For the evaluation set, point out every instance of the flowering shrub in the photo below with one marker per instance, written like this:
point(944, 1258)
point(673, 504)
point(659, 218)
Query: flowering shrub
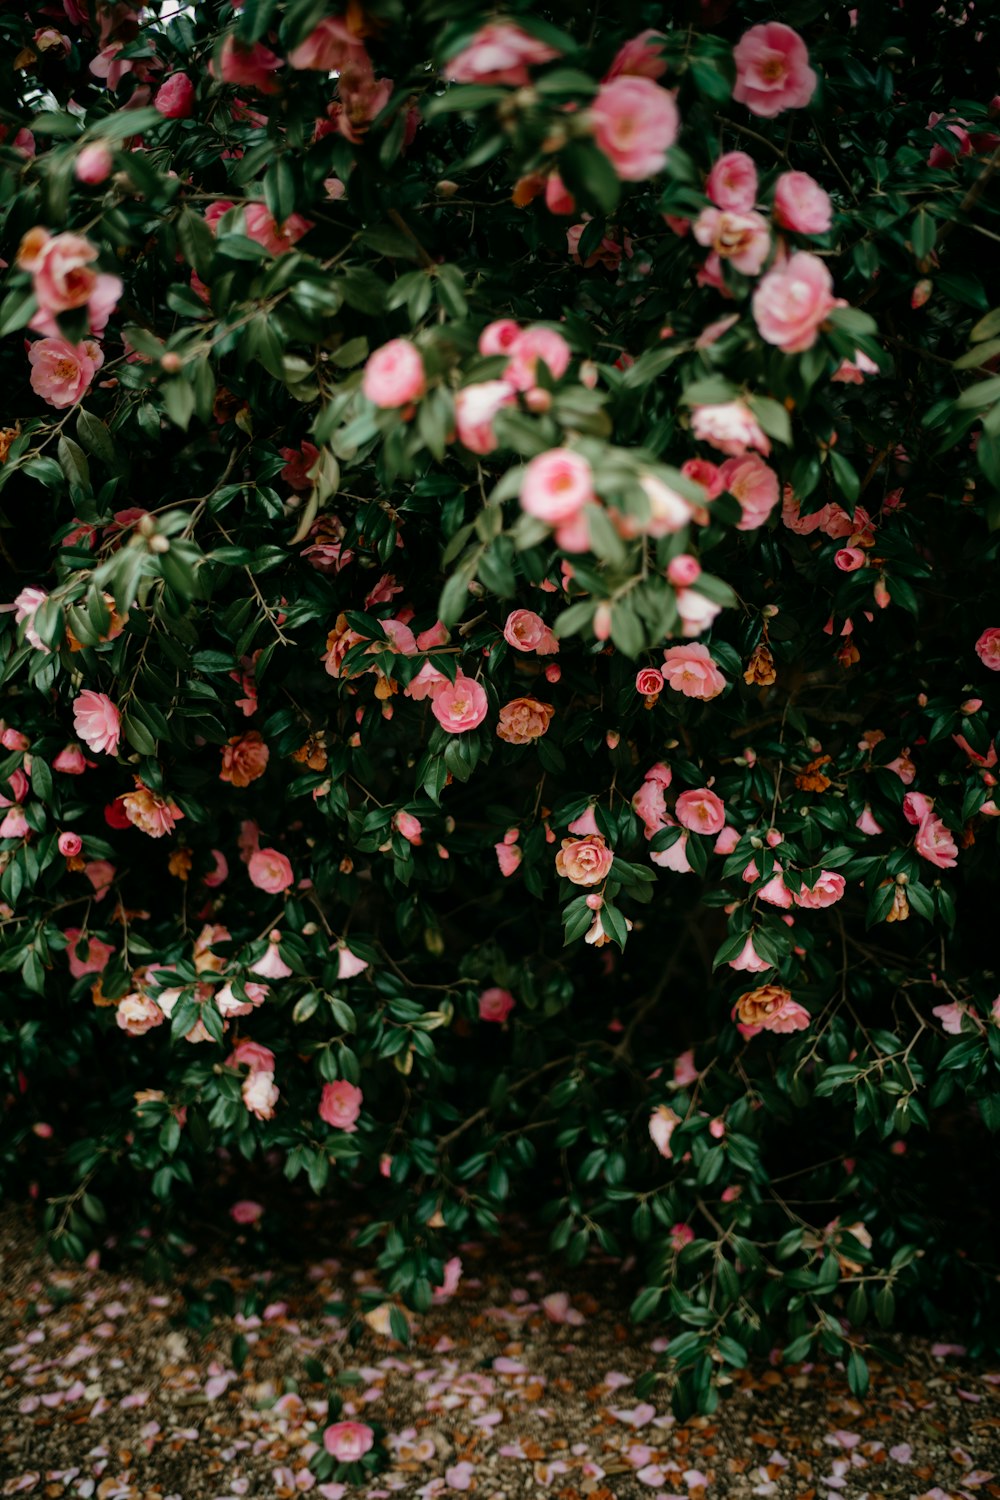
point(501, 638)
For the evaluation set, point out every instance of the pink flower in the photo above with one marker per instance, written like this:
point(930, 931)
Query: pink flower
point(71, 761)
point(669, 512)
point(555, 489)
point(801, 204)
point(917, 807)
point(61, 372)
point(427, 683)
point(662, 1124)
point(526, 631)
point(96, 958)
point(452, 1277)
point(772, 70)
point(939, 155)
point(793, 300)
point(476, 407)
point(495, 1004)
point(950, 1017)
point(528, 347)
point(775, 891)
point(270, 871)
point(499, 337)
point(271, 965)
point(635, 123)
point(175, 97)
point(696, 611)
point(640, 57)
point(219, 873)
point(499, 53)
point(853, 371)
point(410, 827)
point(701, 811)
point(849, 559)
point(70, 844)
point(988, 648)
point(558, 199)
point(680, 1235)
point(25, 607)
point(260, 1094)
point(247, 66)
point(229, 1003)
point(137, 1013)
point(683, 570)
point(607, 254)
point(348, 1441)
point(866, 821)
point(15, 824)
point(743, 239)
point(690, 670)
point(264, 229)
point(252, 1055)
point(394, 375)
point(523, 720)
point(340, 1105)
point(729, 426)
point(826, 890)
point(61, 265)
point(584, 861)
point(460, 705)
point(935, 843)
point(732, 183)
point(97, 721)
point(327, 49)
point(509, 857)
point(149, 811)
point(755, 485)
point(94, 163)
point(349, 965)
point(649, 682)
point(245, 1211)
point(748, 959)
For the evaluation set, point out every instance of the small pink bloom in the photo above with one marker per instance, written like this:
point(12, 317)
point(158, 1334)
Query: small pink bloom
point(556, 487)
point(776, 891)
point(476, 407)
point(495, 1004)
point(97, 721)
point(175, 97)
point(635, 123)
point(793, 300)
point(409, 826)
point(271, 965)
point(742, 239)
point(348, 1441)
point(70, 844)
point(61, 372)
point(584, 861)
point(669, 512)
point(749, 959)
point(649, 682)
point(499, 53)
point(509, 857)
point(249, 66)
point(15, 824)
point(729, 426)
point(558, 200)
point(727, 840)
point(935, 844)
point(219, 873)
point(100, 873)
point(452, 1277)
point(772, 70)
point(96, 958)
point(917, 807)
point(849, 559)
point(270, 871)
point(680, 1235)
point(252, 1055)
point(71, 761)
point(853, 372)
point(685, 1071)
point(526, 631)
point(263, 228)
point(755, 485)
point(640, 57)
point(137, 1014)
point(94, 163)
point(800, 204)
point(662, 1124)
point(245, 1211)
point(327, 49)
point(340, 1105)
point(950, 1017)
point(499, 337)
point(732, 183)
point(394, 375)
point(701, 811)
point(426, 684)
point(988, 648)
point(827, 889)
point(460, 705)
point(866, 821)
point(349, 965)
point(683, 570)
point(529, 347)
point(260, 1094)
point(691, 670)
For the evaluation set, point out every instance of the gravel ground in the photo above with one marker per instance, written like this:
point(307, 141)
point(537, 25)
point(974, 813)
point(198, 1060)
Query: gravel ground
point(520, 1384)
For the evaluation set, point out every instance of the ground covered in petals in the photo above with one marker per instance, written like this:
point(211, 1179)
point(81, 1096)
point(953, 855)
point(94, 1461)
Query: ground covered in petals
point(522, 1383)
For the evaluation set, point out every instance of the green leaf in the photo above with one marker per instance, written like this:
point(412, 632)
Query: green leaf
point(857, 1374)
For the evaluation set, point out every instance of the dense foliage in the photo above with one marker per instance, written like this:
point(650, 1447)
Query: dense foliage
point(500, 663)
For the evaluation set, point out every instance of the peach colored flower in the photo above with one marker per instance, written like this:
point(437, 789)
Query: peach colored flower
point(526, 631)
point(495, 1004)
point(97, 721)
point(690, 670)
point(662, 1124)
point(729, 426)
point(61, 267)
point(244, 758)
point(149, 811)
point(340, 1105)
point(96, 959)
point(499, 53)
point(523, 720)
point(252, 1055)
point(61, 372)
point(701, 811)
point(755, 485)
point(827, 889)
point(270, 871)
point(247, 65)
point(460, 705)
point(640, 57)
point(260, 1094)
point(772, 70)
point(793, 300)
point(988, 648)
point(476, 407)
point(635, 123)
point(732, 183)
point(509, 856)
point(584, 861)
point(348, 1441)
point(528, 347)
point(328, 47)
point(394, 375)
point(935, 843)
point(771, 1008)
point(800, 204)
point(743, 239)
point(137, 1014)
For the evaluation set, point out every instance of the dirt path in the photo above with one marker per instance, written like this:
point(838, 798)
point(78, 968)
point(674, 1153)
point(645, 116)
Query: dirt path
point(520, 1384)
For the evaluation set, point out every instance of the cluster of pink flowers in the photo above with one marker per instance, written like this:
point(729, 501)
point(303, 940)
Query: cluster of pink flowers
point(64, 280)
point(477, 406)
point(933, 841)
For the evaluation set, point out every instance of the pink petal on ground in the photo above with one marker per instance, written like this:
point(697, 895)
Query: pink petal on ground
point(902, 1453)
point(638, 1416)
point(941, 1351)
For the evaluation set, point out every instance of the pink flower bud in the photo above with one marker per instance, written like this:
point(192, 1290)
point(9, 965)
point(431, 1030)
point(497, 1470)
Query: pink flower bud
point(94, 163)
point(882, 596)
point(602, 621)
point(921, 293)
point(612, 739)
point(594, 901)
point(70, 844)
point(553, 672)
point(683, 570)
point(538, 399)
point(849, 559)
point(972, 705)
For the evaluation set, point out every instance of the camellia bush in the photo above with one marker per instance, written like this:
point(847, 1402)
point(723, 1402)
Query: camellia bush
point(501, 641)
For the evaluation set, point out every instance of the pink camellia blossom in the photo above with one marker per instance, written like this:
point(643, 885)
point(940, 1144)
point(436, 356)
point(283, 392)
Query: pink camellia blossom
point(691, 670)
point(526, 631)
point(61, 372)
point(348, 1441)
point(935, 844)
point(635, 123)
point(460, 705)
point(495, 1004)
point(793, 300)
point(246, 1211)
point(15, 824)
point(649, 682)
point(849, 559)
point(62, 268)
point(640, 57)
point(727, 840)
point(349, 965)
point(340, 1105)
point(70, 844)
point(252, 1055)
point(685, 1071)
point(271, 965)
point(662, 1124)
point(394, 375)
point(700, 811)
point(584, 861)
point(827, 889)
point(499, 337)
point(427, 683)
point(499, 53)
point(732, 183)
point(770, 1008)
point(679, 1236)
point(260, 1094)
point(800, 204)
point(97, 722)
point(755, 485)
point(729, 426)
point(669, 512)
point(476, 407)
point(772, 70)
point(449, 1285)
point(509, 857)
point(264, 229)
point(748, 959)
point(328, 48)
point(683, 570)
point(940, 156)
point(249, 66)
point(558, 199)
point(270, 871)
point(776, 892)
point(524, 720)
point(558, 1309)
point(149, 812)
point(71, 761)
point(951, 1016)
point(533, 345)
point(866, 821)
point(229, 1003)
point(409, 826)
point(94, 163)
point(555, 489)
point(137, 1013)
point(96, 958)
point(742, 239)
point(988, 648)
point(917, 807)
point(26, 606)
point(853, 371)
point(175, 97)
